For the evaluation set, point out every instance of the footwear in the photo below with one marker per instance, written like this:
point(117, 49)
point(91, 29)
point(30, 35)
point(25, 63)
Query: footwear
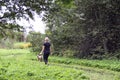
point(45, 62)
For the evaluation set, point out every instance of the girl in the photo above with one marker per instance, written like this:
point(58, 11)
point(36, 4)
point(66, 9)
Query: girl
point(46, 50)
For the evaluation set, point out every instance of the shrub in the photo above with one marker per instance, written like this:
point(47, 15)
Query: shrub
point(22, 45)
point(7, 43)
point(68, 53)
point(36, 40)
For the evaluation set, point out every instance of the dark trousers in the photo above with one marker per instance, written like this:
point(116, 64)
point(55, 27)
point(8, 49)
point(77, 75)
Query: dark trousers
point(45, 57)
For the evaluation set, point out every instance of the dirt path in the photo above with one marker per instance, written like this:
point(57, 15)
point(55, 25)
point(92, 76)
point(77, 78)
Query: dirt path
point(92, 73)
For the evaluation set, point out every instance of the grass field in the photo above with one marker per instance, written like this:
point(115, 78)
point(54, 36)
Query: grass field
point(20, 64)
point(113, 65)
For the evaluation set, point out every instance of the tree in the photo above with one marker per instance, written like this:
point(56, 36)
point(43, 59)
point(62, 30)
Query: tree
point(8, 30)
point(101, 26)
point(59, 21)
point(17, 9)
point(36, 39)
point(92, 26)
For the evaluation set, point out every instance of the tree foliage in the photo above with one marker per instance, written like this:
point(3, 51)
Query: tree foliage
point(10, 10)
point(36, 39)
point(90, 27)
point(10, 30)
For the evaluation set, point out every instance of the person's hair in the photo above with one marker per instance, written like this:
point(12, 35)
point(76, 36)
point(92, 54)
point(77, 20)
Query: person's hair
point(46, 39)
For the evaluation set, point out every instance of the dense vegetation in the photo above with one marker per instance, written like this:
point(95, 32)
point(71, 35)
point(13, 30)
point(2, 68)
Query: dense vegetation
point(86, 28)
point(77, 28)
point(11, 37)
point(36, 39)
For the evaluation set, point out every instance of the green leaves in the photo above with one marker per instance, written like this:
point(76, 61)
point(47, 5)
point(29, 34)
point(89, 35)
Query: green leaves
point(36, 39)
point(89, 28)
point(66, 3)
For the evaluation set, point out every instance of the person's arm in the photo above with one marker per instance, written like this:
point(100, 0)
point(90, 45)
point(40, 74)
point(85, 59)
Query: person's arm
point(42, 49)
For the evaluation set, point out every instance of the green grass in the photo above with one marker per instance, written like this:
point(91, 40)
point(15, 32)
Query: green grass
point(94, 69)
point(113, 65)
point(20, 64)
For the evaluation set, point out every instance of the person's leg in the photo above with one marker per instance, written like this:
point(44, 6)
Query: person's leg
point(45, 56)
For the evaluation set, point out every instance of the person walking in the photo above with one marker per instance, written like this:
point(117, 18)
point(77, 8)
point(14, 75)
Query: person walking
point(46, 50)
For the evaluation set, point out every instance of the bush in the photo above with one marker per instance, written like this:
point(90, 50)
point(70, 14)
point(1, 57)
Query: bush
point(36, 40)
point(22, 45)
point(68, 53)
point(7, 43)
